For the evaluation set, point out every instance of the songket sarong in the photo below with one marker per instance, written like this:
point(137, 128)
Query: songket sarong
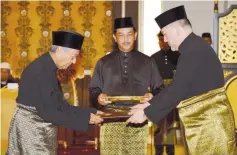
point(208, 124)
point(118, 138)
point(31, 135)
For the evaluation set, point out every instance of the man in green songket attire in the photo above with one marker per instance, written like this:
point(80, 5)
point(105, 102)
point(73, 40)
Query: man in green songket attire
point(197, 91)
point(124, 72)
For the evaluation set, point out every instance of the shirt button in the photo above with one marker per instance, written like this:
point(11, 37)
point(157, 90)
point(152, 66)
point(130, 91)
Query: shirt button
point(66, 95)
point(125, 66)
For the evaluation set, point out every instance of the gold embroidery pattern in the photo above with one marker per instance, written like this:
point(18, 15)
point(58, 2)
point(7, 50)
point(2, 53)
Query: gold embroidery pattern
point(24, 32)
point(45, 10)
point(87, 11)
point(6, 11)
point(106, 31)
point(118, 138)
point(67, 21)
point(27, 26)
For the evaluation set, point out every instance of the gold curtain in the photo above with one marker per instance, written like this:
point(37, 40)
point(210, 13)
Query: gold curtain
point(27, 26)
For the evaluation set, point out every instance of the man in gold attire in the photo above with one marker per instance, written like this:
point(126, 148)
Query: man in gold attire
point(197, 91)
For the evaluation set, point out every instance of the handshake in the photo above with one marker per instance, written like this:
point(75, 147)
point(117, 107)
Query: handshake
point(96, 118)
point(136, 112)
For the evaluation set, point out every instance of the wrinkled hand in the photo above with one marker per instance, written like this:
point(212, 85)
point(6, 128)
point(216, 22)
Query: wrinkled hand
point(99, 112)
point(137, 107)
point(137, 117)
point(102, 99)
point(96, 119)
point(147, 97)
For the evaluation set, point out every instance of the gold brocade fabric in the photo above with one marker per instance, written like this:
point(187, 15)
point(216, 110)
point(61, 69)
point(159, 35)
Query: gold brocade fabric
point(120, 139)
point(208, 124)
point(31, 135)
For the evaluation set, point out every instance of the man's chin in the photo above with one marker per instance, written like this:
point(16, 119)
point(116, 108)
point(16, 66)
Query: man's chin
point(173, 49)
point(127, 49)
point(63, 67)
point(66, 67)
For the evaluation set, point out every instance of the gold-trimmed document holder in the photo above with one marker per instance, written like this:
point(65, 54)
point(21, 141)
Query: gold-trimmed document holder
point(124, 98)
point(115, 113)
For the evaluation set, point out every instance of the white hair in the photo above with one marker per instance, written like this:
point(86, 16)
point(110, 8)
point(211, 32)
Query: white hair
point(184, 23)
point(53, 48)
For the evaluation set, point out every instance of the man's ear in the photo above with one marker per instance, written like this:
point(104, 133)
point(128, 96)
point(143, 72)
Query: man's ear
point(135, 35)
point(58, 48)
point(114, 38)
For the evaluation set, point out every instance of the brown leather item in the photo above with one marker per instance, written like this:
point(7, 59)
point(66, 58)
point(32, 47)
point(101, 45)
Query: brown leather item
point(124, 98)
point(115, 113)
